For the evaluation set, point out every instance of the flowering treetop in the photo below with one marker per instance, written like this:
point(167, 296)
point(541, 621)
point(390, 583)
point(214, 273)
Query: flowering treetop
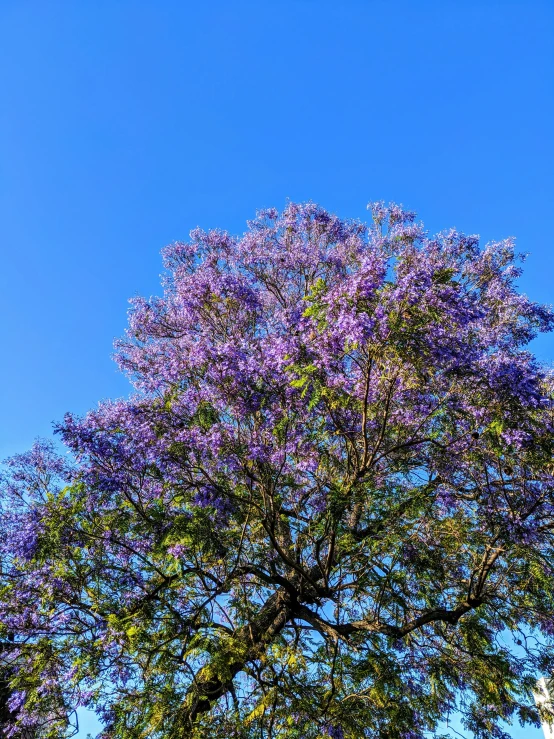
point(326, 511)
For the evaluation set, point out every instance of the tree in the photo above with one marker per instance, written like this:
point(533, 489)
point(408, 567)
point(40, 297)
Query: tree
point(327, 510)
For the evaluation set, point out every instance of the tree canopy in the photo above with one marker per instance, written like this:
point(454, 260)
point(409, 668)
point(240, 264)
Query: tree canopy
point(326, 510)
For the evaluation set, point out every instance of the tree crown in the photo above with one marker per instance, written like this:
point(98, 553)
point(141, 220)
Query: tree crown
point(326, 511)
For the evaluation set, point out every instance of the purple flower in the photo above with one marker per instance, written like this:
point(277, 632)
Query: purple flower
point(334, 731)
point(177, 550)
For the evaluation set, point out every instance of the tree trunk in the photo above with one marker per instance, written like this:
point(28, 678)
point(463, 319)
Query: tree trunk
point(250, 642)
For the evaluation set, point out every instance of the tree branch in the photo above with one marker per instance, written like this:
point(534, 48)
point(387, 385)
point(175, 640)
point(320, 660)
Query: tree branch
point(248, 643)
point(343, 631)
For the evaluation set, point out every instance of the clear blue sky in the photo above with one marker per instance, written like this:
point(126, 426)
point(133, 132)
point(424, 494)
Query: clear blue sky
point(123, 124)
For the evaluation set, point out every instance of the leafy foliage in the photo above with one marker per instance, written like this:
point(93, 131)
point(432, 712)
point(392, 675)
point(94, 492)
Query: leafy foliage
point(327, 510)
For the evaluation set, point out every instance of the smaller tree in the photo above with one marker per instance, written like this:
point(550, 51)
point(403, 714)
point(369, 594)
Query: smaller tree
point(327, 511)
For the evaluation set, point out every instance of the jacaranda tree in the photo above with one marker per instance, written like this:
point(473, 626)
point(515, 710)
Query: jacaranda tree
point(327, 510)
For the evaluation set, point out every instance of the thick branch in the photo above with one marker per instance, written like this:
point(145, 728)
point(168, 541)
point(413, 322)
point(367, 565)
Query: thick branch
point(343, 631)
point(250, 641)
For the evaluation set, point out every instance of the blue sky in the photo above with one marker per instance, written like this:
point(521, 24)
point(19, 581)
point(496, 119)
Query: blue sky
point(125, 124)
